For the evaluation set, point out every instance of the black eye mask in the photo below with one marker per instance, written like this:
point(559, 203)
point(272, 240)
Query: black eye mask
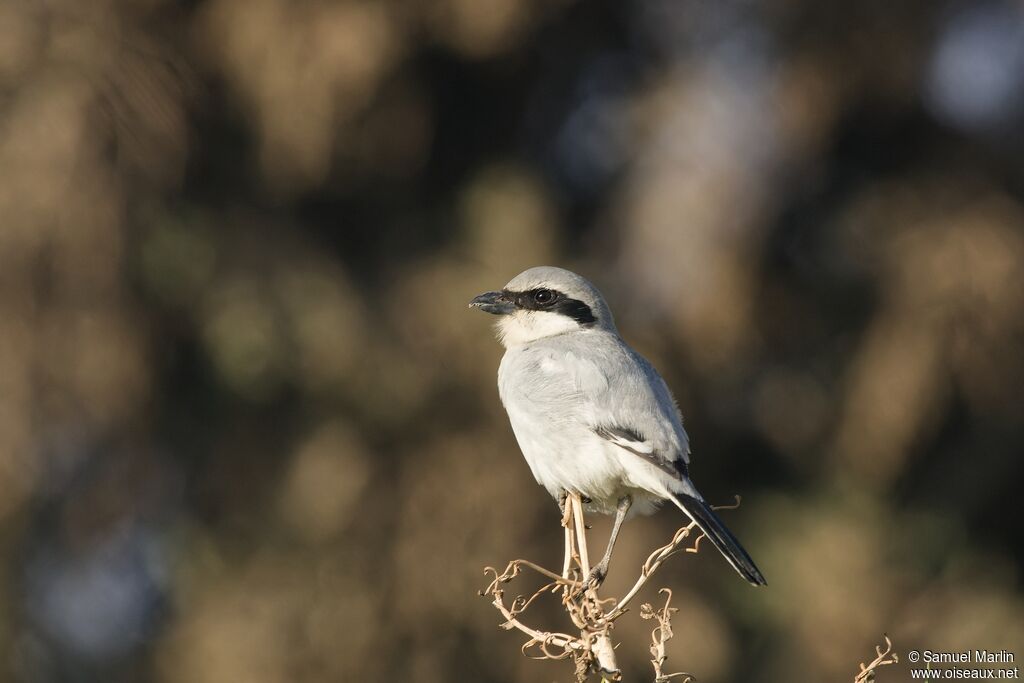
point(543, 299)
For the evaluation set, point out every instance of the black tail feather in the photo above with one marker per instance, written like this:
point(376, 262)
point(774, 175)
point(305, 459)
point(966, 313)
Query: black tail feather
point(716, 531)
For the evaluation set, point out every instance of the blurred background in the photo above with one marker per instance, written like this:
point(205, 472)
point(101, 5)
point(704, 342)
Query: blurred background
point(249, 430)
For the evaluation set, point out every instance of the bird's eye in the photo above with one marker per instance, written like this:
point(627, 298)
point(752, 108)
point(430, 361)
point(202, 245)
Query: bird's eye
point(543, 296)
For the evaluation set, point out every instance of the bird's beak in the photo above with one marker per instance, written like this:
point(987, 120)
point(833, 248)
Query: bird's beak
point(497, 303)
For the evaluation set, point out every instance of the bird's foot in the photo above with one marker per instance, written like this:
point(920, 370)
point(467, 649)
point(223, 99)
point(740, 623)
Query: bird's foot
point(566, 509)
point(597, 575)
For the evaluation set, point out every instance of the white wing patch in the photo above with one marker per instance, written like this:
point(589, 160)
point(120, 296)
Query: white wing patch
point(627, 439)
point(636, 444)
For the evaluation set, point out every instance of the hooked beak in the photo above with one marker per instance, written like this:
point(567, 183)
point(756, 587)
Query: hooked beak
point(497, 303)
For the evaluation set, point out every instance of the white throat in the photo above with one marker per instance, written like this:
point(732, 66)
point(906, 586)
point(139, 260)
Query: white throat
point(523, 327)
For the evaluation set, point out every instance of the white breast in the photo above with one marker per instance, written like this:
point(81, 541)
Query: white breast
point(554, 430)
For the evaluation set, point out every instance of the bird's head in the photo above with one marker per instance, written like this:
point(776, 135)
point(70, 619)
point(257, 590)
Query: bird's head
point(543, 302)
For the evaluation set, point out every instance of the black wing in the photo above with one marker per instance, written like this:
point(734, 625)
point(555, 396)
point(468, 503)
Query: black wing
point(635, 443)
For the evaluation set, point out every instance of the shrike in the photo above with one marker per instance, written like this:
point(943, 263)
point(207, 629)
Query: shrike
point(590, 414)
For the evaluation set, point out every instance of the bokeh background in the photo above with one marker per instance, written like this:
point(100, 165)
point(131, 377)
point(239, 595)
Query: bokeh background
point(249, 430)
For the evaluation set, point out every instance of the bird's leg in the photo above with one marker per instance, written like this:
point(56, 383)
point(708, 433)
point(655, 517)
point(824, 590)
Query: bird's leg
point(563, 500)
point(600, 570)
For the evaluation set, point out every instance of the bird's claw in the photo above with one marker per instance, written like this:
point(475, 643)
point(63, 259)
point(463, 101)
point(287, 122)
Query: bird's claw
point(596, 576)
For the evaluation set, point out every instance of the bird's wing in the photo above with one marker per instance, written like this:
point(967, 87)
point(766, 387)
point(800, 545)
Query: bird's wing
point(638, 445)
point(628, 404)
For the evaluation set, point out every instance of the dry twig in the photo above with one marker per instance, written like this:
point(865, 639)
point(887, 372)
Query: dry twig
point(661, 635)
point(592, 650)
point(882, 658)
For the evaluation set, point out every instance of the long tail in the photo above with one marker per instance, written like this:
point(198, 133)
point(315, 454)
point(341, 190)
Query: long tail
point(716, 531)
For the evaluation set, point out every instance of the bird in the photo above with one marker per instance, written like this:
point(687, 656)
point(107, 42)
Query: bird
point(590, 414)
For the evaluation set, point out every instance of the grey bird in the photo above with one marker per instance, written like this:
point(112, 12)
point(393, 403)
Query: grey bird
point(590, 414)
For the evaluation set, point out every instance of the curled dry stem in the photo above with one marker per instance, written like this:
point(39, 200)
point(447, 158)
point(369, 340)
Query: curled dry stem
point(592, 650)
point(660, 635)
point(882, 658)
